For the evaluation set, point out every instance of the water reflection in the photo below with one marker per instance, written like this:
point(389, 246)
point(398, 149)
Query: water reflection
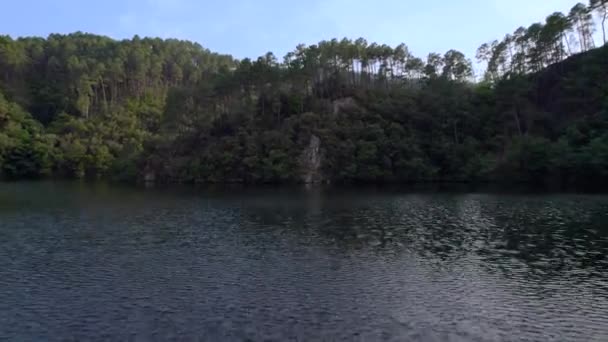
point(300, 264)
point(547, 235)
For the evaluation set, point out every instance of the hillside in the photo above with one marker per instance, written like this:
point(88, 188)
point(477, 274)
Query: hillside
point(82, 105)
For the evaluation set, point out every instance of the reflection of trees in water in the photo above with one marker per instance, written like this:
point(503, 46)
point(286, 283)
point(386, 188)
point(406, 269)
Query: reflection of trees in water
point(544, 234)
point(424, 224)
point(338, 222)
point(550, 236)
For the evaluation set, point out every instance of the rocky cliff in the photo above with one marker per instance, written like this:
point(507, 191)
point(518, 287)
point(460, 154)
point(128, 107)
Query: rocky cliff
point(311, 161)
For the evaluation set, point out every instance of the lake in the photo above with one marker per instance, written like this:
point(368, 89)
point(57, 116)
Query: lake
point(98, 262)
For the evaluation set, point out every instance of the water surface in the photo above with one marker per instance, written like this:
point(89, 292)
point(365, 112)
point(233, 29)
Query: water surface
point(95, 262)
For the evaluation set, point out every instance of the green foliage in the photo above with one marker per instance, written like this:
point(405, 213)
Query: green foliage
point(24, 150)
point(82, 105)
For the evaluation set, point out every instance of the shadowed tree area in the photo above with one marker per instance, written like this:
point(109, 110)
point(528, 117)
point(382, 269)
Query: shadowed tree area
point(82, 105)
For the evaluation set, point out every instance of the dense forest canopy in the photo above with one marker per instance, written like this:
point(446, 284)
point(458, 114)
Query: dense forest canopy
point(82, 105)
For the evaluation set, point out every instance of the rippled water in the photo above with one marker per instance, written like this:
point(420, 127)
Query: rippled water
point(83, 262)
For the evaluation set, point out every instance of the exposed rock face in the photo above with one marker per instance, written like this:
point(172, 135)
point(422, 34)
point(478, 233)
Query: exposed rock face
point(149, 176)
point(340, 104)
point(310, 162)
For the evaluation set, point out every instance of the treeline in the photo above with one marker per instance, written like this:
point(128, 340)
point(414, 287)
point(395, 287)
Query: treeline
point(541, 44)
point(82, 105)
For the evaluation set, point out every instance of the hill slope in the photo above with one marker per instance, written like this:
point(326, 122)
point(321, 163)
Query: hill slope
point(88, 106)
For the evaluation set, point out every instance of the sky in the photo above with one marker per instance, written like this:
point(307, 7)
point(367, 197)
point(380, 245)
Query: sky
point(247, 28)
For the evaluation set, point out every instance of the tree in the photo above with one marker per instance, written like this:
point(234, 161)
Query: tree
point(522, 44)
point(601, 7)
point(81, 105)
point(484, 54)
point(538, 46)
point(456, 66)
point(582, 18)
point(434, 63)
point(555, 36)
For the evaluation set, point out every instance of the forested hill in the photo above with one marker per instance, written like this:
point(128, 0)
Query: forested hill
point(82, 105)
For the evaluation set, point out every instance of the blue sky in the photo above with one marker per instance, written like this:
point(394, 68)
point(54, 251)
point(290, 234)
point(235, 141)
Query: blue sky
point(246, 28)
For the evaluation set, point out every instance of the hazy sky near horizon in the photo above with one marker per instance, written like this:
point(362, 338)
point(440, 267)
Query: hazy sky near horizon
point(246, 28)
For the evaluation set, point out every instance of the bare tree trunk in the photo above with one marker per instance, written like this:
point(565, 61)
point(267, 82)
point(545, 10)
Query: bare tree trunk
point(517, 121)
point(581, 36)
point(604, 24)
point(103, 92)
point(565, 37)
point(590, 39)
point(510, 57)
point(112, 93)
point(354, 72)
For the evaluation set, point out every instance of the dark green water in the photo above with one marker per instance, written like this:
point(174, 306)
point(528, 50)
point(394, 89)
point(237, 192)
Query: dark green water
point(84, 262)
